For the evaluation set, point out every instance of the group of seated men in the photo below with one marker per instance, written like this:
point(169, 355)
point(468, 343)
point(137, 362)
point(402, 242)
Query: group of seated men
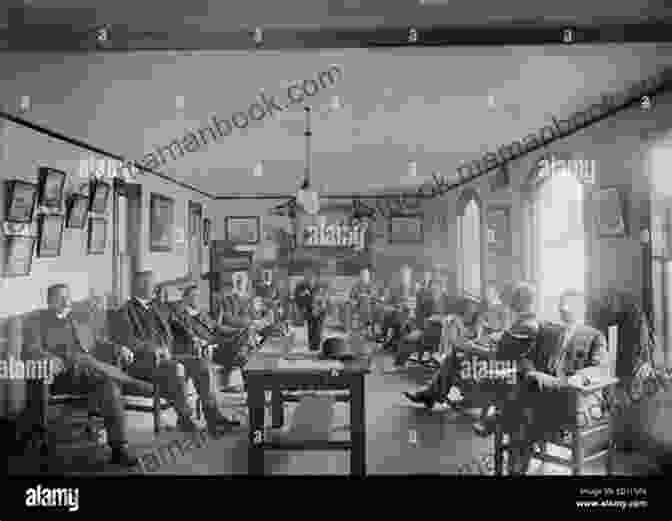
point(155, 343)
point(545, 355)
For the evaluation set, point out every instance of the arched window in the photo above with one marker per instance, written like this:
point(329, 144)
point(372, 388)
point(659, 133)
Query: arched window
point(557, 255)
point(469, 256)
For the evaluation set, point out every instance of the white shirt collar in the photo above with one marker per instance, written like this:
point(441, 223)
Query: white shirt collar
point(64, 314)
point(143, 302)
point(192, 310)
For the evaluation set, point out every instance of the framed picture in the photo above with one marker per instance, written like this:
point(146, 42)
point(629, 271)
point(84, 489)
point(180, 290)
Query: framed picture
point(78, 207)
point(97, 236)
point(21, 197)
point(19, 256)
point(51, 183)
point(243, 230)
point(406, 229)
point(609, 212)
point(100, 192)
point(206, 232)
point(51, 236)
point(161, 223)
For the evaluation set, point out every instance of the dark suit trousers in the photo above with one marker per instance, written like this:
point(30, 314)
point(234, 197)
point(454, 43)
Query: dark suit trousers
point(169, 376)
point(104, 395)
point(314, 326)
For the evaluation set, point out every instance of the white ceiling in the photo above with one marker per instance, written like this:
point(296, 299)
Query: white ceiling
point(426, 104)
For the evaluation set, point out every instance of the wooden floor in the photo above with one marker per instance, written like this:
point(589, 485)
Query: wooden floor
point(401, 439)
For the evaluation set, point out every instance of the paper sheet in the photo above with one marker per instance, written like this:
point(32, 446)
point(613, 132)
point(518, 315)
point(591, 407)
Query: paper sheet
point(320, 365)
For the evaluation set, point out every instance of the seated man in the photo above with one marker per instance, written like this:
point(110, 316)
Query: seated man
point(564, 353)
point(362, 296)
point(144, 326)
point(196, 328)
point(429, 301)
point(57, 336)
point(396, 312)
point(468, 327)
point(235, 309)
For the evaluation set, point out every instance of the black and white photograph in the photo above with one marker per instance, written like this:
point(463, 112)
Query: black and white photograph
point(51, 235)
point(78, 208)
point(358, 239)
point(243, 230)
point(21, 197)
point(161, 223)
point(100, 192)
point(51, 183)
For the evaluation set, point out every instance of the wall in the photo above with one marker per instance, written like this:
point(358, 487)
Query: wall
point(620, 146)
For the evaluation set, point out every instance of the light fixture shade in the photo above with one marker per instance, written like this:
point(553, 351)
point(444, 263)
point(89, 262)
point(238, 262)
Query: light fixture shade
point(259, 169)
point(335, 103)
point(412, 169)
point(309, 200)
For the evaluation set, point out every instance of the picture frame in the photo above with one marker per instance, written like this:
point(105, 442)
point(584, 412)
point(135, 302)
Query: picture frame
point(50, 187)
point(77, 210)
point(161, 223)
point(50, 235)
point(21, 199)
point(207, 225)
point(406, 229)
point(18, 256)
point(99, 194)
point(243, 229)
point(97, 240)
point(610, 215)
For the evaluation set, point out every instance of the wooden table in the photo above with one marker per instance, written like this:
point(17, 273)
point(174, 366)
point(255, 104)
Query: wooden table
point(265, 375)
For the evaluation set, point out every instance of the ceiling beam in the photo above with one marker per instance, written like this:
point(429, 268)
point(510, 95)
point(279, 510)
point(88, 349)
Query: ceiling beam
point(63, 38)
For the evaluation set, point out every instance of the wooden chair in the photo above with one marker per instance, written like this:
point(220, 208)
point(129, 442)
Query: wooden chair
point(587, 440)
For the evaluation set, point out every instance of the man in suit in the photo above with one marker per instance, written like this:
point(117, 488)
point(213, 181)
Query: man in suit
point(563, 351)
point(235, 306)
point(362, 296)
point(311, 298)
point(193, 327)
point(57, 336)
point(430, 300)
point(144, 325)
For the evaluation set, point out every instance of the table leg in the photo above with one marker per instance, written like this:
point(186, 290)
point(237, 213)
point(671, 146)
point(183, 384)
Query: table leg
point(255, 453)
point(357, 427)
point(277, 409)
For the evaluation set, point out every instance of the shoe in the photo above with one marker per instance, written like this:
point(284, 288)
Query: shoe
point(187, 425)
point(123, 458)
point(421, 398)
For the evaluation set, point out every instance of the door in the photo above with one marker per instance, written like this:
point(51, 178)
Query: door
point(195, 240)
point(130, 226)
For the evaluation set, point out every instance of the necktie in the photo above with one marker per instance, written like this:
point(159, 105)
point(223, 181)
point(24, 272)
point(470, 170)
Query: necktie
point(560, 364)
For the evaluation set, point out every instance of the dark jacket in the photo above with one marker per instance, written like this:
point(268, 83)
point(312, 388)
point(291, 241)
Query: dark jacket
point(307, 296)
point(142, 330)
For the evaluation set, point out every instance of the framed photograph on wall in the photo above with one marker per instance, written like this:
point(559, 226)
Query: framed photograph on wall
point(18, 256)
point(610, 213)
point(50, 235)
point(97, 236)
point(405, 229)
point(243, 230)
point(51, 183)
point(161, 223)
point(78, 207)
point(21, 198)
point(100, 192)
point(206, 232)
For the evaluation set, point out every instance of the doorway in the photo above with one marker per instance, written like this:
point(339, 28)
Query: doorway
point(195, 244)
point(130, 230)
point(558, 253)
